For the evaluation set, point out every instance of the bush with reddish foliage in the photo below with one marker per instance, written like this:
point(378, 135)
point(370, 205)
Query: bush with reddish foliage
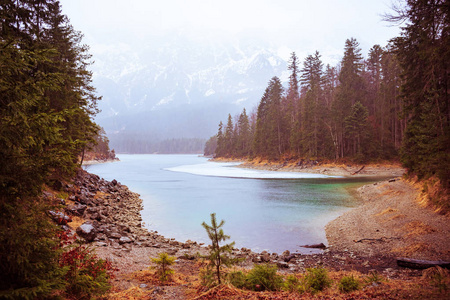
point(87, 275)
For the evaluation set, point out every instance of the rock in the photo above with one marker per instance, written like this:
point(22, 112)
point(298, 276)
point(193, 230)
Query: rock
point(257, 259)
point(114, 235)
point(76, 209)
point(286, 253)
point(288, 258)
point(59, 217)
point(282, 265)
point(265, 257)
point(125, 240)
point(87, 231)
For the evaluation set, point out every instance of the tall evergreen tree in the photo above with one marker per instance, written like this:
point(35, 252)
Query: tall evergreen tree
point(45, 108)
point(424, 56)
point(311, 81)
point(292, 100)
point(350, 91)
point(220, 150)
point(243, 136)
point(270, 134)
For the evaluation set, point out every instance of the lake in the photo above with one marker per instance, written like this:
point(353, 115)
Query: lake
point(263, 210)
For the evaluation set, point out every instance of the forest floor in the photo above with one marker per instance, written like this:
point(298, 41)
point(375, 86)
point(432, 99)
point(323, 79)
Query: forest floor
point(392, 221)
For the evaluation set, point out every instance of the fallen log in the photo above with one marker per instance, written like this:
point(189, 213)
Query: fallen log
point(359, 170)
point(315, 246)
point(421, 264)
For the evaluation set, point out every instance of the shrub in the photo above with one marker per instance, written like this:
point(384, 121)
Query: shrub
point(373, 277)
point(264, 277)
point(438, 277)
point(348, 284)
point(238, 279)
point(317, 279)
point(87, 275)
point(207, 277)
point(164, 261)
point(293, 284)
point(29, 250)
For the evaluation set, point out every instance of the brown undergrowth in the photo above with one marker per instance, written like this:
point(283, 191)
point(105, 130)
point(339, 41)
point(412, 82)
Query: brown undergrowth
point(433, 194)
point(432, 284)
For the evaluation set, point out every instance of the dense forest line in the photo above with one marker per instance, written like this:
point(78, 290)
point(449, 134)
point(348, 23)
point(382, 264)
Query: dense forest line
point(46, 107)
point(394, 103)
point(348, 111)
point(142, 143)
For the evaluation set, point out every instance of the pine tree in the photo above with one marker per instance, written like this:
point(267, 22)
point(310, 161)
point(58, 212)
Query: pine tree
point(229, 137)
point(311, 81)
point(422, 52)
point(220, 149)
point(356, 126)
point(271, 136)
point(243, 136)
point(218, 256)
point(45, 120)
point(350, 91)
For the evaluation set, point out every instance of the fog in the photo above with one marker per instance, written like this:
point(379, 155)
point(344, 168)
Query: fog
point(174, 69)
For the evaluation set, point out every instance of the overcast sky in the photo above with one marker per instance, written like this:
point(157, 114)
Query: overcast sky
point(302, 26)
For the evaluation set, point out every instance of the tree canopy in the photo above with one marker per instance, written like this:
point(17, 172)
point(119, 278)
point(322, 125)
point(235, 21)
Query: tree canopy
point(46, 107)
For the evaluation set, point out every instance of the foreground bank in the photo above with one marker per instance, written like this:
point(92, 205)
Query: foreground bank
point(112, 211)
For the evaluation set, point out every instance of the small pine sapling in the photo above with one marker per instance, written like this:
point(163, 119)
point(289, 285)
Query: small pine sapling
point(164, 261)
point(218, 255)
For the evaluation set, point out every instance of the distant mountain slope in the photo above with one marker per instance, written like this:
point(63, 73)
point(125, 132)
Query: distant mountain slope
point(176, 89)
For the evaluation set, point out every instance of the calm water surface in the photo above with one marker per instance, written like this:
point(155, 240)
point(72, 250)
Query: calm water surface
point(273, 211)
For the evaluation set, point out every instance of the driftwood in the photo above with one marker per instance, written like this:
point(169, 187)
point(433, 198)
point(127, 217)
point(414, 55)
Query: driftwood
point(382, 239)
point(315, 246)
point(359, 170)
point(421, 264)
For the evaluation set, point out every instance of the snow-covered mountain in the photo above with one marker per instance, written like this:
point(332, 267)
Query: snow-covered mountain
point(173, 88)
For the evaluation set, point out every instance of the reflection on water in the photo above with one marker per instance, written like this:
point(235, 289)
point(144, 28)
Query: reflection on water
point(271, 214)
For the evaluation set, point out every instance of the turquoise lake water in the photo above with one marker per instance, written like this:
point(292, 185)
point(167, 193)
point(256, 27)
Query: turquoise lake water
point(263, 210)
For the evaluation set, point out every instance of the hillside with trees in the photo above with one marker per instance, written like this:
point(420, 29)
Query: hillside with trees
point(393, 104)
point(46, 107)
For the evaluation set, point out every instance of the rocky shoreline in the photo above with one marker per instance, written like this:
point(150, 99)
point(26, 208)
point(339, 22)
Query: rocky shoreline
point(107, 215)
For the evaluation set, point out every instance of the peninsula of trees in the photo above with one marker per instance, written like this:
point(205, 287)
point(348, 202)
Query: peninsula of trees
point(394, 103)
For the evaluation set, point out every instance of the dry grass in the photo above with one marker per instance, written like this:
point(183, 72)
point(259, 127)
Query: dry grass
point(133, 293)
point(398, 216)
point(188, 287)
point(410, 250)
point(417, 228)
point(100, 195)
point(150, 277)
point(386, 211)
point(76, 222)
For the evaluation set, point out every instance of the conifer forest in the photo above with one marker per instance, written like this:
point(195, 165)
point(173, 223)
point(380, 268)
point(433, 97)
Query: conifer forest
point(391, 104)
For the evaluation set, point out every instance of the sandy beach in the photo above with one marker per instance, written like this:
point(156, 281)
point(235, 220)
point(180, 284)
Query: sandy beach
point(392, 221)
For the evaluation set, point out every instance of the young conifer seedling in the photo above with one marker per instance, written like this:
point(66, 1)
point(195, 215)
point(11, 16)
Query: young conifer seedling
point(164, 262)
point(218, 255)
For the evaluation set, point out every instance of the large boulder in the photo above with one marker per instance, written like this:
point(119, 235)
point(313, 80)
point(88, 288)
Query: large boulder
point(87, 231)
point(76, 209)
point(59, 217)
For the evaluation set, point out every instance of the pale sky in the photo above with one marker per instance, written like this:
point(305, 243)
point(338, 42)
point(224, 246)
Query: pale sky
point(302, 26)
